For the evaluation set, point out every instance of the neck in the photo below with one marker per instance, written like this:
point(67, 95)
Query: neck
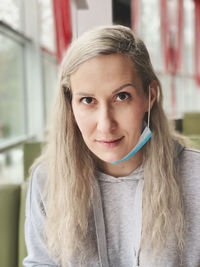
point(123, 168)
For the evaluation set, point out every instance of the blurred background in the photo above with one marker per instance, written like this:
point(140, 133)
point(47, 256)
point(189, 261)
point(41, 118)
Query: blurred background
point(34, 34)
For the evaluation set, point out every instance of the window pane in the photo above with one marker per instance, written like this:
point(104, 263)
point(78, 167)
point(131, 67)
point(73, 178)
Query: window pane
point(50, 77)
point(188, 35)
point(150, 31)
point(11, 166)
point(47, 24)
point(12, 121)
point(10, 13)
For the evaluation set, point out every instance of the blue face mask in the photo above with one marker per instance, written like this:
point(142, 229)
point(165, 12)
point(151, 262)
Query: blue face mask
point(144, 137)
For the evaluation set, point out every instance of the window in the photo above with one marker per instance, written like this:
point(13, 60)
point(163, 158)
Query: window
point(49, 80)
point(10, 13)
point(47, 24)
point(28, 73)
point(12, 108)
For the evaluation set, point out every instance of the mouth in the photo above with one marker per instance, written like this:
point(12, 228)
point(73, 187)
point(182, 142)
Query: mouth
point(110, 143)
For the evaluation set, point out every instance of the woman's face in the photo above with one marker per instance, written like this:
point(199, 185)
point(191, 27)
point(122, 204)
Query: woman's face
point(109, 104)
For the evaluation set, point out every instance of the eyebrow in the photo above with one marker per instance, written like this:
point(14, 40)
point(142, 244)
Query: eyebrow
point(122, 87)
point(114, 92)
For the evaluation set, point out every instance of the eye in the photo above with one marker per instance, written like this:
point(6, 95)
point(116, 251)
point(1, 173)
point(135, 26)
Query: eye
point(123, 96)
point(87, 100)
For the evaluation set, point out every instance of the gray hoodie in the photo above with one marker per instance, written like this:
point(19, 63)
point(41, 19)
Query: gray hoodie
point(116, 221)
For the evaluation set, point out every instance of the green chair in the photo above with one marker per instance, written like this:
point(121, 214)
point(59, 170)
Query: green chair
point(191, 128)
point(9, 223)
point(31, 151)
point(22, 252)
point(195, 139)
point(12, 213)
point(191, 123)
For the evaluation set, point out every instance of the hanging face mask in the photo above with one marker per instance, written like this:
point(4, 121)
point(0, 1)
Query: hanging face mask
point(144, 137)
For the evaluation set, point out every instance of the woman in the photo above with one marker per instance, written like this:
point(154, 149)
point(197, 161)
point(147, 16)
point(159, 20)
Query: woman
point(115, 187)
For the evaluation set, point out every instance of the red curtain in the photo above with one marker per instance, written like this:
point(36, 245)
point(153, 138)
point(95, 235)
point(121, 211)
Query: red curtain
point(63, 29)
point(134, 14)
point(197, 41)
point(172, 40)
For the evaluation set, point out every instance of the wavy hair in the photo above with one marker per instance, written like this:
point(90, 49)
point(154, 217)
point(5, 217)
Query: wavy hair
point(71, 166)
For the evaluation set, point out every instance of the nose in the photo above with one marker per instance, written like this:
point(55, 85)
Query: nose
point(106, 120)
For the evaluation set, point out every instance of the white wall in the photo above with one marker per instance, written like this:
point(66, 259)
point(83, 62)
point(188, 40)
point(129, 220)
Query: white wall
point(92, 13)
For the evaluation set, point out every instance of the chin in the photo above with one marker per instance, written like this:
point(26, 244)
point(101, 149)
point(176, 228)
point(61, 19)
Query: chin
point(110, 158)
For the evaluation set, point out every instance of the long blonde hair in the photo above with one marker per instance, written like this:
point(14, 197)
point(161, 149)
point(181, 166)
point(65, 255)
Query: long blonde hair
point(70, 165)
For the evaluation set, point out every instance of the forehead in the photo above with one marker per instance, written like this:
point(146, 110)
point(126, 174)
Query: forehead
point(111, 70)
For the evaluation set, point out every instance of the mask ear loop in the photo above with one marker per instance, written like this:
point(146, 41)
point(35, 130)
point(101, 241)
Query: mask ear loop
point(149, 109)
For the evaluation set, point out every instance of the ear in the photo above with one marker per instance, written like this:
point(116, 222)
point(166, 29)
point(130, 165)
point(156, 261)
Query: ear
point(153, 90)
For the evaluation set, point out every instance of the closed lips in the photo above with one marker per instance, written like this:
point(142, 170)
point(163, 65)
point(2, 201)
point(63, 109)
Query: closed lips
point(111, 141)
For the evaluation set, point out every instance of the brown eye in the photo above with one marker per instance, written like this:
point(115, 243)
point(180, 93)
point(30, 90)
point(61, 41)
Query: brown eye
point(87, 100)
point(123, 96)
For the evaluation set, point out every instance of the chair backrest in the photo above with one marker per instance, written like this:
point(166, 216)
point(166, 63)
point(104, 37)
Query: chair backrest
point(22, 252)
point(191, 123)
point(9, 220)
point(31, 151)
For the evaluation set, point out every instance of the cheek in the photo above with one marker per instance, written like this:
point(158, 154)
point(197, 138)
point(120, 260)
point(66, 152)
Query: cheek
point(133, 116)
point(84, 123)
point(132, 121)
